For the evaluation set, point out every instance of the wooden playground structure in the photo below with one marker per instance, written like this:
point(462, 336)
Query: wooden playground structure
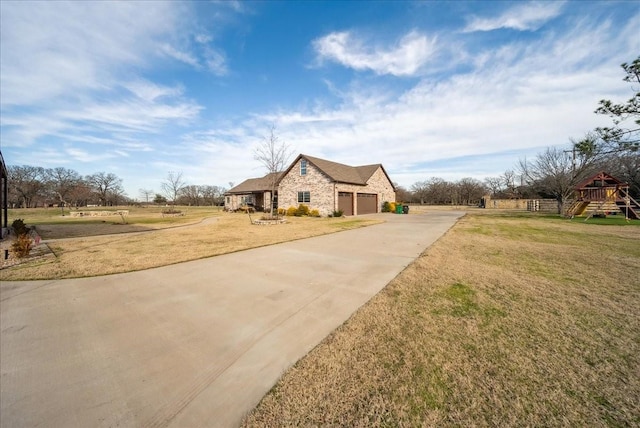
point(602, 195)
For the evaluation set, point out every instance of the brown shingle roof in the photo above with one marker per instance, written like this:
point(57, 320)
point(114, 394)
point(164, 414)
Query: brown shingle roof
point(338, 172)
point(343, 173)
point(609, 179)
point(254, 184)
point(366, 171)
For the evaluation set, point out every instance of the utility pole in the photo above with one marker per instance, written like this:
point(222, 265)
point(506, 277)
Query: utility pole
point(573, 160)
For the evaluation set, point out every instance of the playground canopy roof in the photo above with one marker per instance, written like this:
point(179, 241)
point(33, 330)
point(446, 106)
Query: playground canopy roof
point(601, 179)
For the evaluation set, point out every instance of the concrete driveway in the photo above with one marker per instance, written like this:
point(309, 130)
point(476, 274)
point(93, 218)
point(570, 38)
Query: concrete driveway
point(195, 344)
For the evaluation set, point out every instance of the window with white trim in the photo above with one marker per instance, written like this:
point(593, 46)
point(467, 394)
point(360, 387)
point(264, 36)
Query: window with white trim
point(303, 167)
point(304, 197)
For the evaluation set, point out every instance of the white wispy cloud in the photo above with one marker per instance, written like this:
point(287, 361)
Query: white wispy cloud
point(524, 17)
point(150, 91)
point(79, 155)
point(203, 38)
point(72, 71)
point(182, 56)
point(404, 58)
point(131, 115)
point(76, 84)
point(215, 61)
point(201, 55)
point(520, 98)
point(55, 49)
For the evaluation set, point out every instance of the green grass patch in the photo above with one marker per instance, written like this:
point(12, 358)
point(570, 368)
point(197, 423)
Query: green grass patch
point(462, 298)
point(461, 302)
point(617, 220)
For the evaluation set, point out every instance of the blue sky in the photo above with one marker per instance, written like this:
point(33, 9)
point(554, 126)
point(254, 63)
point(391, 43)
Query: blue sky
point(428, 89)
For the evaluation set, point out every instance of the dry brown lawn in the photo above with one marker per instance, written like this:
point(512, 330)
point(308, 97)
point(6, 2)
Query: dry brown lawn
point(505, 321)
point(160, 244)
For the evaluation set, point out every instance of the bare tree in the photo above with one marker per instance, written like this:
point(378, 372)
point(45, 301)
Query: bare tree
point(62, 182)
point(146, 194)
point(470, 190)
point(212, 195)
point(26, 183)
point(440, 191)
point(173, 185)
point(107, 186)
point(191, 194)
point(555, 172)
point(274, 155)
point(494, 185)
point(420, 191)
point(509, 182)
point(402, 194)
point(80, 194)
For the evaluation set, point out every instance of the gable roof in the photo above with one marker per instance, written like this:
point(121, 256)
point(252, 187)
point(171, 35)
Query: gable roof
point(342, 173)
point(610, 181)
point(256, 184)
point(337, 172)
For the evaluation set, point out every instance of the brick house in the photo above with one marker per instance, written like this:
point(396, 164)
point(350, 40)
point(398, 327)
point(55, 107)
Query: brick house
point(320, 184)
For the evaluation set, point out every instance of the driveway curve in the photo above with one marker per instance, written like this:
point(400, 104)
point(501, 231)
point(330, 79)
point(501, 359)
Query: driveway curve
point(195, 344)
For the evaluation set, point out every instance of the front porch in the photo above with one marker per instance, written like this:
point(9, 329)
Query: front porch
point(250, 201)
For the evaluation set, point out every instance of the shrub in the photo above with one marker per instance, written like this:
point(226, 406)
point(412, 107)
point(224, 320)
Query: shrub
point(303, 210)
point(22, 245)
point(171, 211)
point(337, 213)
point(291, 211)
point(282, 211)
point(386, 207)
point(19, 227)
point(314, 213)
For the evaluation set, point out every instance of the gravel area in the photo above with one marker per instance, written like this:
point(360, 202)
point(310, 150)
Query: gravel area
point(8, 259)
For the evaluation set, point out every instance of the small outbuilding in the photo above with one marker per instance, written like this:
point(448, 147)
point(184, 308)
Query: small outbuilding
point(603, 194)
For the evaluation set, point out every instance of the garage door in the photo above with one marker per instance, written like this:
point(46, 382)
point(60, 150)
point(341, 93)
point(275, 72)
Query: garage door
point(345, 202)
point(367, 203)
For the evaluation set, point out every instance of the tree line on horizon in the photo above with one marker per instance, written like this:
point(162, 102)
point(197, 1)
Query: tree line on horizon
point(554, 173)
point(32, 186)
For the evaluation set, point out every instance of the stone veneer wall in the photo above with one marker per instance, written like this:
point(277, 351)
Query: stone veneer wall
point(544, 205)
point(317, 183)
point(380, 184)
point(324, 192)
point(234, 201)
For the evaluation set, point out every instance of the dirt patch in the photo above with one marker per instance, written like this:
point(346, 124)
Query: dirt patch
point(66, 231)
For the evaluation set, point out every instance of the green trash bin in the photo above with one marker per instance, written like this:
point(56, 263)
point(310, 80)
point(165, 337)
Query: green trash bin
point(399, 209)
